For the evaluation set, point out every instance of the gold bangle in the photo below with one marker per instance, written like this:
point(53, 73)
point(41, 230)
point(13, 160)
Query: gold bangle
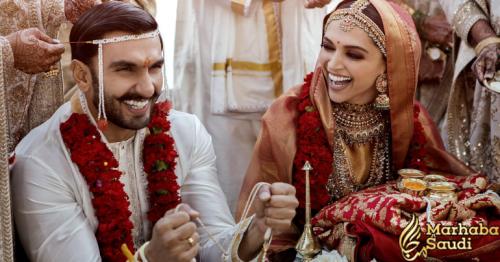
point(485, 42)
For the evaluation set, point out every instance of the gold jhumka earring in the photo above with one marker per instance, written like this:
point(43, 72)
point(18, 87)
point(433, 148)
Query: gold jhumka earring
point(382, 101)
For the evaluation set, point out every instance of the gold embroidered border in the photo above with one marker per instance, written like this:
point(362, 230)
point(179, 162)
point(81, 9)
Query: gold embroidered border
point(6, 248)
point(243, 75)
point(274, 49)
point(238, 236)
point(35, 14)
point(274, 46)
point(244, 65)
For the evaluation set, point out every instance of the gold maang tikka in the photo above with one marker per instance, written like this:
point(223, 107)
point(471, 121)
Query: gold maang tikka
point(353, 16)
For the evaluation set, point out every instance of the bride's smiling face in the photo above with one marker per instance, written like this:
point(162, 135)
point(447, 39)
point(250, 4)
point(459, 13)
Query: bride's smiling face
point(352, 63)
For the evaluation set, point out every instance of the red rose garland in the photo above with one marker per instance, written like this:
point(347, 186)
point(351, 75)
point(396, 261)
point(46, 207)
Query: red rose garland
point(159, 163)
point(100, 169)
point(313, 146)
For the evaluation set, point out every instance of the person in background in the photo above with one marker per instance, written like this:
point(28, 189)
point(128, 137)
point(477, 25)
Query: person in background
point(436, 63)
point(112, 166)
point(472, 124)
point(30, 80)
point(356, 121)
point(231, 61)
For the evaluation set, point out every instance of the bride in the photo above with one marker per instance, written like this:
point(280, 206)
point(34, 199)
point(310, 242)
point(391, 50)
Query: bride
point(354, 119)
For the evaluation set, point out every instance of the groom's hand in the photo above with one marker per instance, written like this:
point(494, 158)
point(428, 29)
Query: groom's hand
point(174, 237)
point(275, 207)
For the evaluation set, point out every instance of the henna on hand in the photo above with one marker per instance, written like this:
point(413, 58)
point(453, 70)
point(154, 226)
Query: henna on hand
point(34, 51)
point(486, 62)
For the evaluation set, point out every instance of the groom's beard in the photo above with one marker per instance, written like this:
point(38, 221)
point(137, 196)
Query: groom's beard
point(114, 107)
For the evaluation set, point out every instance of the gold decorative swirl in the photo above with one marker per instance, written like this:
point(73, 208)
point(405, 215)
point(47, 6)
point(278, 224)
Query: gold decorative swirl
point(409, 240)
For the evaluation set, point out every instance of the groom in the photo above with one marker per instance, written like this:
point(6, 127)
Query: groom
point(105, 173)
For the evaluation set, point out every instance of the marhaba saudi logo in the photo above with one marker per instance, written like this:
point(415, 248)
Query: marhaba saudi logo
point(412, 248)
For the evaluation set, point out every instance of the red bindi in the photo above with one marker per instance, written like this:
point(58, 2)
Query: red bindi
point(147, 62)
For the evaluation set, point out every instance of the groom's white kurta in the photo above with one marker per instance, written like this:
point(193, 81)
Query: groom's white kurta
point(52, 205)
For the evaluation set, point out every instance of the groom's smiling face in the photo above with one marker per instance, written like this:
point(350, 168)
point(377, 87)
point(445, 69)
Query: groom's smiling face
point(132, 80)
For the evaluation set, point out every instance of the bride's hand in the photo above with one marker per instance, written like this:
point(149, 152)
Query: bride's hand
point(275, 207)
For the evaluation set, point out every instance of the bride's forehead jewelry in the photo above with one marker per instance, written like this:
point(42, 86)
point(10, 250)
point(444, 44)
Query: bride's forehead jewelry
point(353, 16)
point(101, 111)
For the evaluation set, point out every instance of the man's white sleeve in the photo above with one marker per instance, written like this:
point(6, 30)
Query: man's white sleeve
point(51, 225)
point(201, 190)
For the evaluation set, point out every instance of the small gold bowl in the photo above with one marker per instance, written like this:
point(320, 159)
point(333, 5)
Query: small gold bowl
point(413, 186)
point(408, 173)
point(411, 173)
point(442, 191)
point(442, 186)
point(434, 178)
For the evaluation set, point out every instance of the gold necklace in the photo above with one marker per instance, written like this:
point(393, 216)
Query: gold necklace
point(358, 124)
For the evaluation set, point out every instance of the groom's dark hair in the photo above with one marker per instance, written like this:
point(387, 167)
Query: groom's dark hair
point(105, 18)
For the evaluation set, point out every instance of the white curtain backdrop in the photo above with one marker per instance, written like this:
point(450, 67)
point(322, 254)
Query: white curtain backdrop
point(166, 15)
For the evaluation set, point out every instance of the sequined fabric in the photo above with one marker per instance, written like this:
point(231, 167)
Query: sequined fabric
point(473, 117)
point(389, 210)
point(31, 99)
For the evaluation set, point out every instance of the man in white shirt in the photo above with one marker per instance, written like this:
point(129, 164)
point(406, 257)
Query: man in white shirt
point(93, 181)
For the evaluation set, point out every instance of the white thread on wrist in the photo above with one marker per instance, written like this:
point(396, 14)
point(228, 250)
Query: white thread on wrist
point(140, 253)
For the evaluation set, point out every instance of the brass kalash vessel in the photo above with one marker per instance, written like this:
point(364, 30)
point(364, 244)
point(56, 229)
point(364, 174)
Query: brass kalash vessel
point(308, 246)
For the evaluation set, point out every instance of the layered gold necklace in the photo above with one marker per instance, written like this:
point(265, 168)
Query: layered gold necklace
point(365, 126)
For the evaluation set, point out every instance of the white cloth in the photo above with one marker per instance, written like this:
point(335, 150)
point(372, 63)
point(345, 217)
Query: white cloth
point(134, 182)
point(246, 41)
point(208, 32)
point(52, 206)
